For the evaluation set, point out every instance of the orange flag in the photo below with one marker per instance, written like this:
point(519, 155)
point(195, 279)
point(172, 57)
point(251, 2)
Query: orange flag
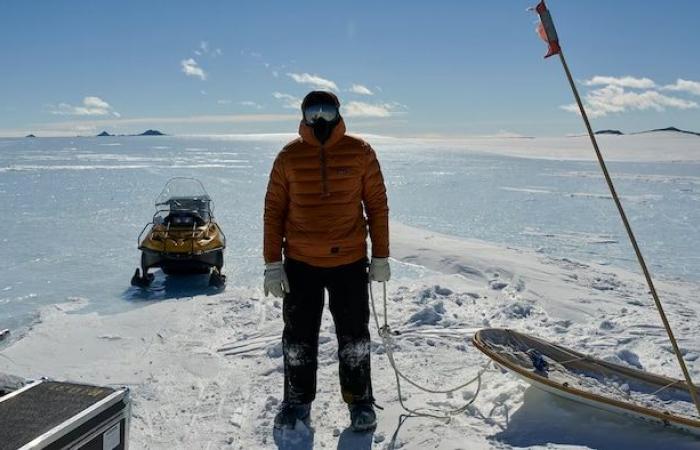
point(546, 30)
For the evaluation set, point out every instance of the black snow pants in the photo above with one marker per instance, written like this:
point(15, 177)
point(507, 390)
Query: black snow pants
point(303, 307)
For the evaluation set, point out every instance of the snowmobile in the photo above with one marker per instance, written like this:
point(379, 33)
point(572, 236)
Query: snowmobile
point(183, 238)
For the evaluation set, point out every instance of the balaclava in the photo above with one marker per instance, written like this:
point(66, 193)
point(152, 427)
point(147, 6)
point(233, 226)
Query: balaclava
point(322, 129)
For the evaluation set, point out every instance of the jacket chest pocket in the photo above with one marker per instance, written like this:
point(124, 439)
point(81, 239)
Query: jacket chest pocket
point(343, 172)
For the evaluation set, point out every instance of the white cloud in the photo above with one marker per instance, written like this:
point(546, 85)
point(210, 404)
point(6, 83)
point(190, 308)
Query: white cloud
point(289, 101)
point(250, 103)
point(192, 69)
point(363, 109)
point(223, 102)
point(92, 106)
point(625, 82)
point(95, 103)
point(614, 99)
point(206, 49)
point(313, 80)
point(360, 89)
point(692, 87)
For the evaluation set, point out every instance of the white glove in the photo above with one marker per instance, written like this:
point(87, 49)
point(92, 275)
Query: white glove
point(379, 270)
point(276, 282)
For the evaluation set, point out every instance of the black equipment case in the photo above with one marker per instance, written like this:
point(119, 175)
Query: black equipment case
point(52, 415)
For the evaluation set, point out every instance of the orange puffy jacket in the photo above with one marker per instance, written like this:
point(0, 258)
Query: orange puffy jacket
point(317, 199)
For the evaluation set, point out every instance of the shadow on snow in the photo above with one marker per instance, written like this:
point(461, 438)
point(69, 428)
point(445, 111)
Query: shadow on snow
point(302, 438)
point(547, 419)
point(166, 287)
point(352, 440)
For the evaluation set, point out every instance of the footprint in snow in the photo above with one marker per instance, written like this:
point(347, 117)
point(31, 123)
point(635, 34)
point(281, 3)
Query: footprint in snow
point(430, 315)
point(630, 358)
point(498, 285)
point(275, 350)
point(607, 325)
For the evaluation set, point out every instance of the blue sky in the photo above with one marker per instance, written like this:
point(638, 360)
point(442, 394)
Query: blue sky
point(442, 68)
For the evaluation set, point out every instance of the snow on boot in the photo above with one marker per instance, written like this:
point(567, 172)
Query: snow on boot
point(289, 413)
point(362, 417)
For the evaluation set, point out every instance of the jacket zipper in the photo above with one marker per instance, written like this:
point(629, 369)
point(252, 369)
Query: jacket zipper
point(324, 174)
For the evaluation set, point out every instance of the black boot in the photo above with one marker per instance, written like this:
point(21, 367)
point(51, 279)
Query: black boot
point(362, 417)
point(289, 413)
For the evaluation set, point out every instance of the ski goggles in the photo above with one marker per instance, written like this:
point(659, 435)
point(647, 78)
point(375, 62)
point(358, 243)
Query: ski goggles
point(325, 111)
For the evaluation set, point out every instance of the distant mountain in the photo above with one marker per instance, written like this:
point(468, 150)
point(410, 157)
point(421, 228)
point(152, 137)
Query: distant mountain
point(104, 134)
point(656, 130)
point(672, 130)
point(151, 133)
point(30, 136)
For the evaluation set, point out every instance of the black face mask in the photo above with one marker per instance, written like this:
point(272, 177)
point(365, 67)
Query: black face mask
point(323, 129)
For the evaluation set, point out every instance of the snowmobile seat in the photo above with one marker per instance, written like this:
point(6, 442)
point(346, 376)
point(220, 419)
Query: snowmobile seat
point(184, 219)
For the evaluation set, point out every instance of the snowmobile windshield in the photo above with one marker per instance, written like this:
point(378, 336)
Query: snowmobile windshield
point(185, 195)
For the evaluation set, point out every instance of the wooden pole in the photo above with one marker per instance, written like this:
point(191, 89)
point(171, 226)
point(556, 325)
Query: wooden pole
point(630, 234)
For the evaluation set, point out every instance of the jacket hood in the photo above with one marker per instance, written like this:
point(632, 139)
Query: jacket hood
point(307, 134)
point(319, 97)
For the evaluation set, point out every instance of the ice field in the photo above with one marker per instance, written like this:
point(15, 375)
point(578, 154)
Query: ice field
point(487, 232)
point(76, 207)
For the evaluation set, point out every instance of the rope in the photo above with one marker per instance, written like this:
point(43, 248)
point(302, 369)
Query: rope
point(385, 333)
point(665, 387)
point(568, 361)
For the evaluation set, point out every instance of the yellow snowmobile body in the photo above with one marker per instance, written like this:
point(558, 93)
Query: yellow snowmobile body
point(183, 237)
point(197, 240)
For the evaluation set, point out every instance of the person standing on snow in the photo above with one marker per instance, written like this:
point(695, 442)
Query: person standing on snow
point(325, 191)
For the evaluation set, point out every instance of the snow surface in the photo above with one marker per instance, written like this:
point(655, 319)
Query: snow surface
point(205, 367)
point(657, 146)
